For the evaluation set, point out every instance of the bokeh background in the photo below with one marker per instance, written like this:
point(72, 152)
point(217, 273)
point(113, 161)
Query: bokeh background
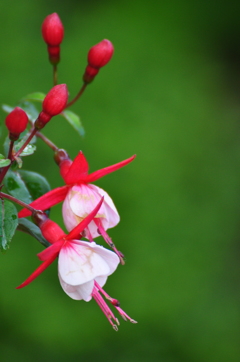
point(171, 94)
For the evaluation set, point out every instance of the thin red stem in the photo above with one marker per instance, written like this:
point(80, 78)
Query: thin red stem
point(55, 74)
point(47, 141)
point(21, 203)
point(10, 150)
point(34, 131)
point(77, 96)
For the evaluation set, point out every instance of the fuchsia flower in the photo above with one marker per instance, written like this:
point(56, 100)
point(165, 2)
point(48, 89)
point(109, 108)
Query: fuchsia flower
point(83, 267)
point(80, 197)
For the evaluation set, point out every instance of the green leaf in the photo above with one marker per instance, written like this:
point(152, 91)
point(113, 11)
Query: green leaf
point(4, 162)
point(36, 96)
point(31, 229)
point(30, 109)
point(7, 108)
point(28, 150)
point(74, 121)
point(16, 187)
point(36, 184)
point(8, 223)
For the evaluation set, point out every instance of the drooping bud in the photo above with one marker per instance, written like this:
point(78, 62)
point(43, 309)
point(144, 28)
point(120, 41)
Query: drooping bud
point(53, 33)
point(98, 56)
point(16, 123)
point(53, 104)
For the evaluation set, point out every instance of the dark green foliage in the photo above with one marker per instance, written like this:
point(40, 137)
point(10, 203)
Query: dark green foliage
point(8, 223)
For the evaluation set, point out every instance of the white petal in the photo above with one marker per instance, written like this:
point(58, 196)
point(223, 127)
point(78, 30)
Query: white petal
point(101, 280)
point(107, 202)
point(109, 256)
point(78, 264)
point(78, 292)
point(81, 200)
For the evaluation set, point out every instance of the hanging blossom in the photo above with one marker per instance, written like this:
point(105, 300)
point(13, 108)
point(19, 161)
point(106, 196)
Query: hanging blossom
point(83, 267)
point(80, 196)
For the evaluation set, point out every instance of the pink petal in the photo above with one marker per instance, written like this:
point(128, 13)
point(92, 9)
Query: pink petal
point(38, 271)
point(46, 201)
point(104, 171)
point(78, 169)
point(51, 251)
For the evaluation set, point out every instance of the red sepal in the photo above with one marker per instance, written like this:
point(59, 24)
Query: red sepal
point(51, 250)
point(38, 271)
point(46, 201)
point(78, 169)
point(105, 171)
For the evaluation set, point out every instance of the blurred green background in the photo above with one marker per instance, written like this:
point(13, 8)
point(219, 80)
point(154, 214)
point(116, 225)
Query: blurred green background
point(171, 94)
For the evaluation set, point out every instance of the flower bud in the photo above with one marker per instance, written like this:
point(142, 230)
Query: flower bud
point(53, 104)
point(16, 123)
point(98, 56)
point(53, 33)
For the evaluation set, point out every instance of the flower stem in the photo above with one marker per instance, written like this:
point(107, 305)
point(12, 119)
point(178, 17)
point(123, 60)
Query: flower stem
point(21, 203)
point(55, 74)
point(10, 150)
point(78, 95)
point(12, 157)
point(32, 134)
point(47, 141)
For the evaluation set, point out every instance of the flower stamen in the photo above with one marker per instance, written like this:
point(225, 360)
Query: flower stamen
point(108, 240)
point(106, 310)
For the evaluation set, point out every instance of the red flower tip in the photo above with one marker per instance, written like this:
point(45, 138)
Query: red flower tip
point(53, 33)
point(53, 104)
point(52, 30)
point(16, 123)
point(98, 56)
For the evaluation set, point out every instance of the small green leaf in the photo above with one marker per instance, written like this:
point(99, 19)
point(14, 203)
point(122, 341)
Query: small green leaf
point(8, 223)
point(4, 162)
point(74, 121)
point(16, 187)
point(31, 229)
point(30, 109)
point(7, 108)
point(36, 96)
point(28, 150)
point(36, 184)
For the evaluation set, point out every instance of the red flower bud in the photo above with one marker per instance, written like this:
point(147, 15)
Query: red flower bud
point(53, 104)
point(98, 56)
point(16, 123)
point(53, 33)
